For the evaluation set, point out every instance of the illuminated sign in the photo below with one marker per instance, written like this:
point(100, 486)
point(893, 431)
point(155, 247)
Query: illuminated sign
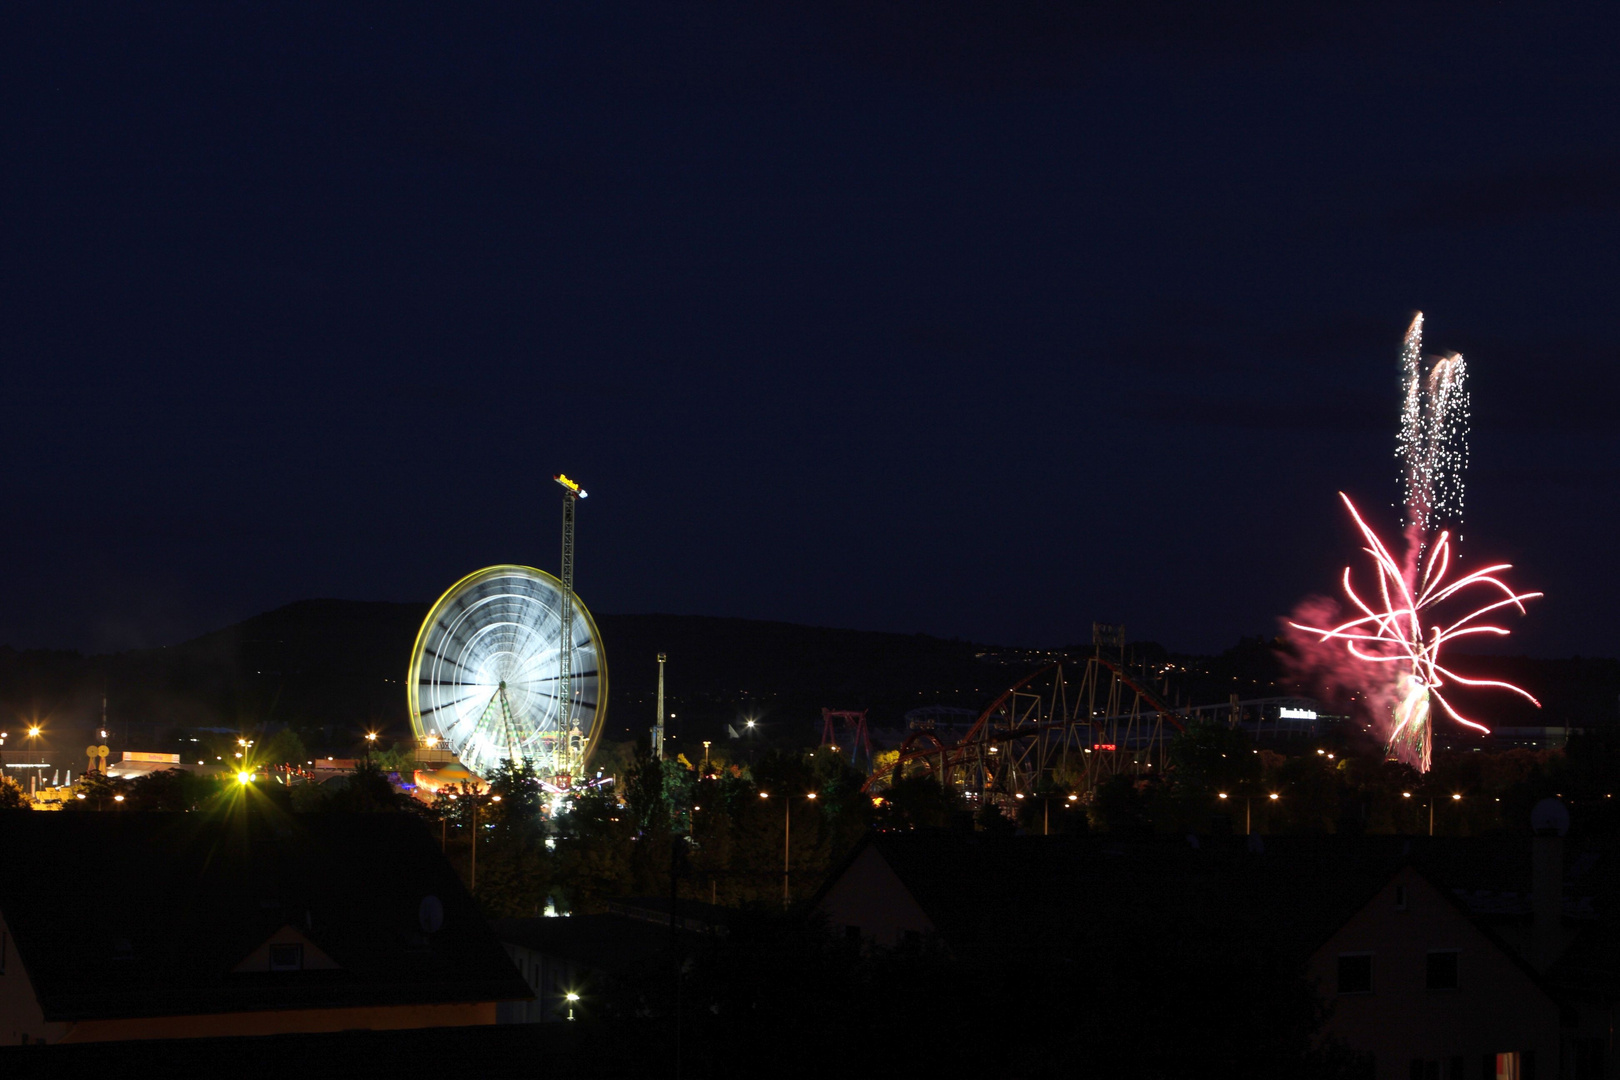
point(1106, 746)
point(562, 478)
point(1297, 714)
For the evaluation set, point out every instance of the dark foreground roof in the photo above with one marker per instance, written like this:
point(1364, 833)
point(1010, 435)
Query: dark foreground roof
point(131, 914)
point(611, 944)
point(1045, 893)
point(490, 1053)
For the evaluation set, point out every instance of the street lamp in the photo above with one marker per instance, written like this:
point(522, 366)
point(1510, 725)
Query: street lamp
point(787, 840)
point(472, 876)
point(571, 998)
point(1248, 808)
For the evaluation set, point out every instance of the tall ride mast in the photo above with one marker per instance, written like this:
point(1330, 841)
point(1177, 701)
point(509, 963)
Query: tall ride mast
point(658, 729)
point(572, 493)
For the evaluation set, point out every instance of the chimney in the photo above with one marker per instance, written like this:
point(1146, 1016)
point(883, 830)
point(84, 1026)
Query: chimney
point(1549, 821)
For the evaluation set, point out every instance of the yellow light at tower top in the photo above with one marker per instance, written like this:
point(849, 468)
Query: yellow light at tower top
point(562, 478)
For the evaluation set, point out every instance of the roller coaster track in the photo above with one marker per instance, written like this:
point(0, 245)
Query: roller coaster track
point(1031, 725)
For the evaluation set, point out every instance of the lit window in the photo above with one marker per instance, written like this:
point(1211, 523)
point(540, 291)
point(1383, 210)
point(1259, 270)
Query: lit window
point(287, 957)
point(1441, 972)
point(1506, 1066)
point(1355, 973)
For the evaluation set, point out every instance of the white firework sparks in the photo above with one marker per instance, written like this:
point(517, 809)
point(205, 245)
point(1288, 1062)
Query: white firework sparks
point(1432, 444)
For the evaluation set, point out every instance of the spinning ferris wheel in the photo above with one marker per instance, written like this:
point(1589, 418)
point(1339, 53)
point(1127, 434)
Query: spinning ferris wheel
point(491, 677)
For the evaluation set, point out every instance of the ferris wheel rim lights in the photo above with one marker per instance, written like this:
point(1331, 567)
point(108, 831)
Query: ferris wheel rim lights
point(500, 636)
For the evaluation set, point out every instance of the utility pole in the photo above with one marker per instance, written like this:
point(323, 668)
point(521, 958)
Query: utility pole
point(658, 729)
point(572, 493)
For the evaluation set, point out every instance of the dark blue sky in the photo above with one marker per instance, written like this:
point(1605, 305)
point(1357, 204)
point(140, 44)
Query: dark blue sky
point(986, 321)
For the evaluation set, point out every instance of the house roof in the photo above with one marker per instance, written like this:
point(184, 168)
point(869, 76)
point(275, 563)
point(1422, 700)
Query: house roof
point(1046, 893)
point(118, 915)
point(608, 943)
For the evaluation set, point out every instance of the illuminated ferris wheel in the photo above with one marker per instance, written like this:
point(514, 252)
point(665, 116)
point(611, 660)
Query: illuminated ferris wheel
point(488, 670)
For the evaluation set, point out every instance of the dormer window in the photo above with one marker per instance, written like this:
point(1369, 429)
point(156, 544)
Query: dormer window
point(289, 957)
point(1400, 898)
point(286, 950)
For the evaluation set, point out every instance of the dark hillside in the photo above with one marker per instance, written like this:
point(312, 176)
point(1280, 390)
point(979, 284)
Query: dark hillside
point(334, 668)
point(338, 667)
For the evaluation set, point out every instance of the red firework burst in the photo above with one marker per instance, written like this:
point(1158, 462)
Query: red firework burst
point(1396, 630)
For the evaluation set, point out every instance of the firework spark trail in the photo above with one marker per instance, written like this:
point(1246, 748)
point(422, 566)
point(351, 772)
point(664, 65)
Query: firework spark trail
point(1395, 628)
point(1432, 442)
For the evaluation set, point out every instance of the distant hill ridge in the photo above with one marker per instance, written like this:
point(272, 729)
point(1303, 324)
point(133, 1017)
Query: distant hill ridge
point(327, 662)
point(340, 666)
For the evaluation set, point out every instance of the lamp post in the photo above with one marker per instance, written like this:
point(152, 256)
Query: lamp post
point(1248, 808)
point(472, 877)
point(1248, 818)
point(787, 842)
point(33, 748)
point(1430, 801)
point(1046, 810)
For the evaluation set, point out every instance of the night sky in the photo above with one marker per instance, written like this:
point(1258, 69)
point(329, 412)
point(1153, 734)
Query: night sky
point(974, 319)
